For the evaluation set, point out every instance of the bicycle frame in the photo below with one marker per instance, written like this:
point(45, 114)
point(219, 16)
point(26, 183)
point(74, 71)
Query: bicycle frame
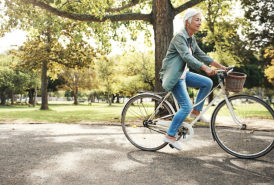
point(223, 92)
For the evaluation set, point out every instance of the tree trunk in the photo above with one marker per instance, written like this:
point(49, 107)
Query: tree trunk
point(163, 32)
point(3, 99)
point(75, 95)
point(109, 102)
point(151, 85)
point(44, 86)
point(31, 93)
point(118, 100)
point(72, 94)
point(112, 98)
point(261, 93)
point(35, 97)
point(12, 97)
point(124, 98)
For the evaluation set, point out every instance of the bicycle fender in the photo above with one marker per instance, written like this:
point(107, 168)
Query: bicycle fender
point(146, 94)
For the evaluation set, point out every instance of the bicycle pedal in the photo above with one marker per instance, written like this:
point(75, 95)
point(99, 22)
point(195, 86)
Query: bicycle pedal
point(171, 146)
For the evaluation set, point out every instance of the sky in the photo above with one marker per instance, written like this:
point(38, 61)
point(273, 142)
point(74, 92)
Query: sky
point(16, 38)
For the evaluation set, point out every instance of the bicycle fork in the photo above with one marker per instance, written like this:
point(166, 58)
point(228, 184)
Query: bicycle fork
point(231, 108)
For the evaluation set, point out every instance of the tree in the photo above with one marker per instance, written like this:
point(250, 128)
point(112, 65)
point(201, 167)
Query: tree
point(260, 34)
point(106, 73)
point(45, 52)
point(139, 64)
point(113, 15)
point(255, 76)
point(75, 80)
point(33, 85)
point(260, 28)
point(54, 83)
point(269, 71)
point(6, 78)
point(221, 31)
point(131, 85)
point(11, 80)
point(54, 42)
point(269, 93)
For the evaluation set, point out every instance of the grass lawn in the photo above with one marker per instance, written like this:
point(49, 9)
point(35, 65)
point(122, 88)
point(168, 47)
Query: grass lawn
point(64, 112)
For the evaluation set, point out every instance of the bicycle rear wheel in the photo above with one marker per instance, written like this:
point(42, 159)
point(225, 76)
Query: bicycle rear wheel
point(137, 126)
point(256, 135)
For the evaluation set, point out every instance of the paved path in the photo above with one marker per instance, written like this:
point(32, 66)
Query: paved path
point(66, 154)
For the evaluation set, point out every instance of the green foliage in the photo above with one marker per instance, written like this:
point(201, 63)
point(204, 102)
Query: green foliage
point(23, 15)
point(140, 66)
point(53, 83)
point(269, 92)
point(6, 79)
point(107, 75)
point(255, 75)
point(58, 41)
point(269, 71)
point(75, 80)
point(38, 49)
point(127, 73)
point(260, 28)
point(106, 19)
point(15, 80)
point(221, 30)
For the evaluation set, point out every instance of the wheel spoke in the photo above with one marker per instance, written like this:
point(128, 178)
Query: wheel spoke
point(257, 137)
point(141, 133)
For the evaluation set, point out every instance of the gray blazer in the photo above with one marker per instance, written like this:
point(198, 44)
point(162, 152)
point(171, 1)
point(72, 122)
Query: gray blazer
point(176, 57)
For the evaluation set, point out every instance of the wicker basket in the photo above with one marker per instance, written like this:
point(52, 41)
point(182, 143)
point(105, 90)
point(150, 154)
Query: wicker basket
point(235, 81)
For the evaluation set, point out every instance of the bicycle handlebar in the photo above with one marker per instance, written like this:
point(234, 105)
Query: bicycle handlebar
point(230, 69)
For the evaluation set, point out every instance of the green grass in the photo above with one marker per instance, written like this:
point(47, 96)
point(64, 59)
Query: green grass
point(62, 113)
point(66, 112)
point(248, 110)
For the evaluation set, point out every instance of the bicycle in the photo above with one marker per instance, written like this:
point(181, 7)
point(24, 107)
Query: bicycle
point(242, 125)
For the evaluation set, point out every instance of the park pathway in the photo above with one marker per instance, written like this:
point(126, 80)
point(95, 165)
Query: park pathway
point(72, 154)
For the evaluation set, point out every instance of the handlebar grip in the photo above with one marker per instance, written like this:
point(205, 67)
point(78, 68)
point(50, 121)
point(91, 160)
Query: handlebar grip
point(230, 69)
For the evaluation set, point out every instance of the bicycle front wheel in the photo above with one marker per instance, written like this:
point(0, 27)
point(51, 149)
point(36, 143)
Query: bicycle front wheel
point(254, 136)
point(141, 131)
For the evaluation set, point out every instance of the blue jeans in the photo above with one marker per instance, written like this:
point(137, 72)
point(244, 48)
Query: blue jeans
point(180, 93)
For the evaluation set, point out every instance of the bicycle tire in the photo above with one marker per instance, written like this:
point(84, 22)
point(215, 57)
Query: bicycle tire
point(255, 138)
point(135, 113)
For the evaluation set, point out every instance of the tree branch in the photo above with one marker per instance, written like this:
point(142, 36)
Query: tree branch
point(186, 6)
point(131, 4)
point(88, 17)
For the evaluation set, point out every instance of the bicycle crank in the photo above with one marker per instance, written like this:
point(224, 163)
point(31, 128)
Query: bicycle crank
point(186, 132)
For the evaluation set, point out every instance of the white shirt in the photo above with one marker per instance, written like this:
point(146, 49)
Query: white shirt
point(186, 68)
